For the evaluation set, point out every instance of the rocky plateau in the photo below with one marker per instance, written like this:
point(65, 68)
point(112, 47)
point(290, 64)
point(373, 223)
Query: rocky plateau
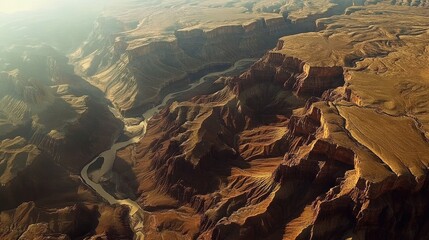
point(324, 137)
point(149, 48)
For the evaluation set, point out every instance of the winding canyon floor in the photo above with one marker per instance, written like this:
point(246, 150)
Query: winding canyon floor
point(324, 137)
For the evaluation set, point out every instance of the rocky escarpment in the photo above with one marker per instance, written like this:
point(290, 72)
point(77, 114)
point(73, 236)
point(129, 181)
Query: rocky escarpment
point(261, 159)
point(294, 74)
point(420, 3)
point(264, 90)
point(44, 102)
point(159, 64)
point(135, 67)
point(27, 210)
point(52, 123)
point(233, 139)
point(324, 138)
point(77, 221)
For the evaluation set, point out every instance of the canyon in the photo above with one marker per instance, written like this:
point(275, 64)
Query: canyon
point(141, 57)
point(323, 138)
point(221, 120)
point(52, 122)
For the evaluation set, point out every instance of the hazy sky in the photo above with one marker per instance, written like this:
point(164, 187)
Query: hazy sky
point(60, 23)
point(12, 6)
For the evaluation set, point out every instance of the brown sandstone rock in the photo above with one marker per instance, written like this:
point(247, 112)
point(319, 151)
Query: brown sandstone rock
point(254, 165)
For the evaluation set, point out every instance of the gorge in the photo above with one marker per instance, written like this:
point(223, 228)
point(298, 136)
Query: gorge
point(297, 119)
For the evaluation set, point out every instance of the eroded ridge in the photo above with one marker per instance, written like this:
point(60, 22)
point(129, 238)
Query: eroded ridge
point(51, 124)
point(138, 51)
point(317, 140)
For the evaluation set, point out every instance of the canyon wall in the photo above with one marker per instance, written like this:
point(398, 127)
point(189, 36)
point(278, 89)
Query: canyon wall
point(134, 63)
point(52, 123)
point(234, 140)
point(323, 138)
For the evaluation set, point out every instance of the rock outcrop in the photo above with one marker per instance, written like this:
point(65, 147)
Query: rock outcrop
point(43, 101)
point(135, 59)
point(323, 138)
point(77, 221)
point(233, 139)
point(414, 3)
point(52, 123)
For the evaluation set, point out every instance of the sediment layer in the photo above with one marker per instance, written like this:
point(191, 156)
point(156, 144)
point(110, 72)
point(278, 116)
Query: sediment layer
point(133, 57)
point(315, 141)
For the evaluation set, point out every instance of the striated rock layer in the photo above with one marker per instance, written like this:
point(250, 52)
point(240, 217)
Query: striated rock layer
point(72, 222)
point(52, 123)
point(43, 101)
point(138, 50)
point(324, 138)
point(235, 140)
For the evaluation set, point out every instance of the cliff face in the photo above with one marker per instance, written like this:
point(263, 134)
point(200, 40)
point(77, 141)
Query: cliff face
point(42, 101)
point(234, 140)
point(324, 138)
point(134, 63)
point(294, 74)
point(52, 123)
point(31, 222)
point(161, 63)
point(415, 3)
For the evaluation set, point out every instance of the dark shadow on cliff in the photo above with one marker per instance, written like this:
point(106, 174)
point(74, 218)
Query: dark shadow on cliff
point(126, 183)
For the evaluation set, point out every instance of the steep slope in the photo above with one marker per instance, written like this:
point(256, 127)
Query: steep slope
point(72, 222)
point(138, 50)
point(51, 124)
point(43, 101)
point(323, 138)
point(233, 139)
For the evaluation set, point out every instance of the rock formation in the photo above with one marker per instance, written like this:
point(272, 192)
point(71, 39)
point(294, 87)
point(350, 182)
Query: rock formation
point(135, 57)
point(43, 101)
point(324, 138)
point(73, 222)
point(52, 123)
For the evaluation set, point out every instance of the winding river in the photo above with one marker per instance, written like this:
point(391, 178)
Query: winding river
point(136, 212)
